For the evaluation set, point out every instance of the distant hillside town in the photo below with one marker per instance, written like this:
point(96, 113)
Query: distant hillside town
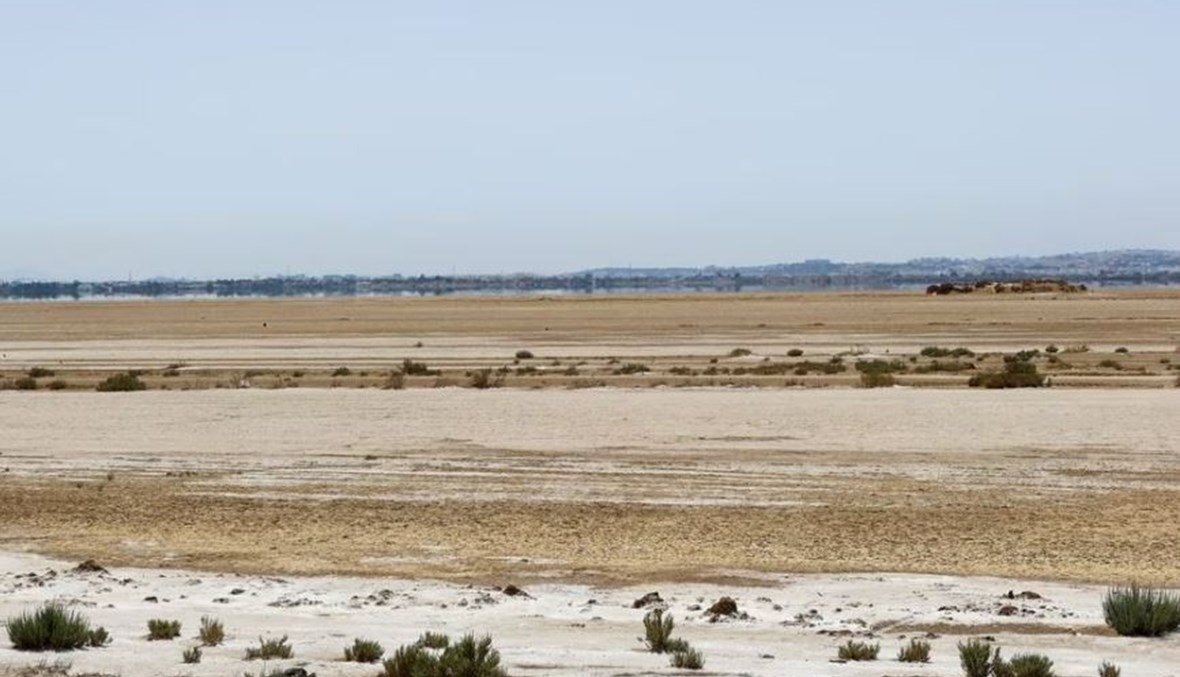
point(1095, 269)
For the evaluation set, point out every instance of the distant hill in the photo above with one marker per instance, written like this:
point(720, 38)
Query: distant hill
point(1121, 267)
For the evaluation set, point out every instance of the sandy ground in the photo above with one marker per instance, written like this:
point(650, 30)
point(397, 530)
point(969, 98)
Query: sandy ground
point(793, 623)
point(601, 485)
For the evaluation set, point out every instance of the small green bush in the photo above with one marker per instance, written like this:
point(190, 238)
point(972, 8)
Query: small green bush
point(159, 628)
point(740, 352)
point(1016, 374)
point(858, 651)
point(795, 352)
point(363, 651)
point(25, 383)
point(807, 367)
point(40, 372)
point(98, 637)
point(1023, 665)
point(212, 632)
point(126, 382)
point(657, 630)
point(268, 649)
point(1122, 350)
point(632, 368)
point(917, 651)
point(469, 657)
point(51, 627)
point(342, 371)
point(57, 384)
point(433, 640)
point(524, 355)
point(687, 658)
point(1141, 612)
point(976, 658)
point(1109, 670)
point(482, 379)
point(192, 655)
point(412, 368)
point(410, 661)
point(1051, 349)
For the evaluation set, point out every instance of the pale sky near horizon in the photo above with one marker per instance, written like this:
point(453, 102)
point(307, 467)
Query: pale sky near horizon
point(252, 137)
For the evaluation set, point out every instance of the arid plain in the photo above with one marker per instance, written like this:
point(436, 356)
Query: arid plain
point(693, 442)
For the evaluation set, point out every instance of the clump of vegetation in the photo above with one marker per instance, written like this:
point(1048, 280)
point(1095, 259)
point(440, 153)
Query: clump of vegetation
point(433, 640)
point(57, 384)
point(873, 380)
point(977, 658)
point(807, 367)
point(1016, 374)
point(467, 657)
point(363, 651)
point(118, 383)
point(51, 627)
point(740, 352)
point(1051, 348)
point(1122, 349)
point(270, 648)
point(917, 651)
point(192, 655)
point(40, 372)
point(1083, 348)
point(395, 381)
point(681, 371)
point(795, 352)
point(1023, 665)
point(632, 368)
point(858, 651)
point(483, 379)
point(159, 628)
point(1110, 364)
point(936, 351)
point(212, 632)
point(25, 383)
point(342, 371)
point(881, 367)
point(687, 658)
point(1109, 670)
point(657, 632)
point(412, 368)
point(524, 354)
point(99, 637)
point(950, 367)
point(1141, 612)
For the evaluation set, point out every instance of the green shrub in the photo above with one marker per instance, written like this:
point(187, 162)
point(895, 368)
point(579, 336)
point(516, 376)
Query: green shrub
point(270, 648)
point(795, 352)
point(858, 651)
point(212, 632)
point(1122, 349)
point(1109, 670)
point(740, 352)
point(1110, 364)
point(342, 371)
point(40, 372)
point(159, 628)
point(657, 630)
point(126, 382)
point(469, 657)
point(936, 351)
point(1016, 374)
point(412, 368)
point(632, 368)
point(483, 379)
point(192, 655)
point(524, 355)
point(57, 384)
point(1141, 612)
point(51, 627)
point(363, 651)
point(687, 658)
point(917, 651)
point(25, 383)
point(98, 637)
point(410, 661)
point(433, 640)
point(881, 367)
point(1023, 665)
point(976, 658)
point(807, 366)
point(871, 380)
point(1051, 348)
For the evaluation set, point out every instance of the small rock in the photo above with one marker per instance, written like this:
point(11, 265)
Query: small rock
point(237, 591)
point(152, 598)
point(647, 600)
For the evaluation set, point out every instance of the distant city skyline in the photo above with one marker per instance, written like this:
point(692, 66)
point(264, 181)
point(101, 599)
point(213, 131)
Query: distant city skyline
point(236, 139)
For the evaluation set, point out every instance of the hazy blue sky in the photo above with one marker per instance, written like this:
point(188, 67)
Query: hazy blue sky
point(238, 137)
